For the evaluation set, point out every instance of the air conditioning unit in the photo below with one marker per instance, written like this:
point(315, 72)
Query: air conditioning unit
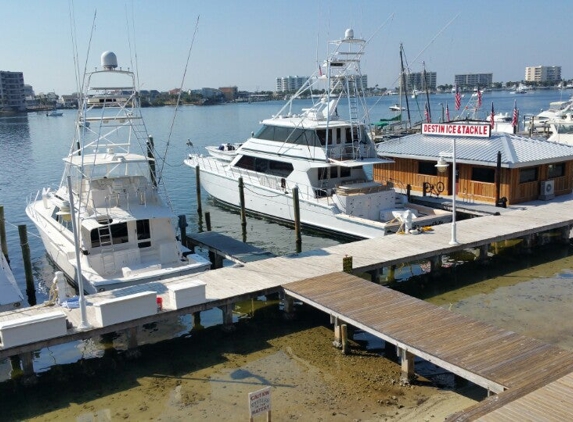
point(547, 190)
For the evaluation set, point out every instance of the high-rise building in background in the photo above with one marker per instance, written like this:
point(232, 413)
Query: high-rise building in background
point(12, 94)
point(543, 73)
point(474, 79)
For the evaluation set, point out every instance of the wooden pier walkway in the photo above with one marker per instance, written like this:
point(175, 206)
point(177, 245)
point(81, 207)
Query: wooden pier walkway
point(494, 358)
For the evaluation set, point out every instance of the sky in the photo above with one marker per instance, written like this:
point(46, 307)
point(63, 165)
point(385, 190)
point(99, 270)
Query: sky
point(192, 44)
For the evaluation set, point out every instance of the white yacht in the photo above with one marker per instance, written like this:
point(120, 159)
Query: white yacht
point(125, 230)
point(320, 154)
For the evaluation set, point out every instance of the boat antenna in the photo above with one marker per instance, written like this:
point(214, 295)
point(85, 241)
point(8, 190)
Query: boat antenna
point(435, 36)
point(74, 44)
point(133, 55)
point(179, 96)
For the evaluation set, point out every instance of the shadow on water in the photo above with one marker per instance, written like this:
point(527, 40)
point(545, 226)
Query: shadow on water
point(115, 371)
point(465, 269)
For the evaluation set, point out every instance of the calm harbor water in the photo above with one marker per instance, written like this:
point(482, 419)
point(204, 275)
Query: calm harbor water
point(33, 146)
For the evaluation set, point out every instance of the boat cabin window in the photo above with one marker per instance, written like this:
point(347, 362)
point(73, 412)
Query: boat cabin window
point(556, 170)
point(528, 175)
point(107, 235)
point(143, 230)
point(263, 165)
point(321, 133)
point(344, 172)
point(483, 174)
point(289, 135)
point(329, 173)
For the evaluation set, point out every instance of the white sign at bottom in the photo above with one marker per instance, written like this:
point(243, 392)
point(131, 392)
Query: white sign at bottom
point(260, 401)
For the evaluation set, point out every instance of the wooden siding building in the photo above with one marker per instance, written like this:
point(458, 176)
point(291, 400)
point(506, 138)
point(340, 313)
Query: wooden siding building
point(502, 167)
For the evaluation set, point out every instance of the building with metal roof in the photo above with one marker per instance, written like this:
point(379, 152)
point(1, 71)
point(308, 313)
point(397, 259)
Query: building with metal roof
point(499, 167)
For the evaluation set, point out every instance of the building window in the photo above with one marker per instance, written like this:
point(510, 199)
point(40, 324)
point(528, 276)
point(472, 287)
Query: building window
point(528, 175)
point(483, 174)
point(556, 170)
point(427, 167)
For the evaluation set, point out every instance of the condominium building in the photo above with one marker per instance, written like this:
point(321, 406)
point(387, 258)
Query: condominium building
point(416, 80)
point(474, 79)
point(290, 83)
point(12, 95)
point(543, 73)
point(294, 83)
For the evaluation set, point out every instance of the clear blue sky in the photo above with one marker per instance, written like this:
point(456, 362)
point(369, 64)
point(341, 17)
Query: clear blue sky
point(249, 43)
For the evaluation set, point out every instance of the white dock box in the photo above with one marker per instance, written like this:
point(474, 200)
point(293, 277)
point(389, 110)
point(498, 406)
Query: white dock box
point(187, 293)
point(29, 329)
point(125, 308)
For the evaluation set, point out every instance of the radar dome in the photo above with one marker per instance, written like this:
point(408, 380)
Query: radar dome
point(108, 60)
point(349, 34)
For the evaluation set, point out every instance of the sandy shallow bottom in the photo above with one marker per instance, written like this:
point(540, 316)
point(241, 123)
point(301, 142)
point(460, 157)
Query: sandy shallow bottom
point(208, 375)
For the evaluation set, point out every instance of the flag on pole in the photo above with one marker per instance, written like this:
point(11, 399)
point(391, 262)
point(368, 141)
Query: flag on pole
point(479, 98)
point(319, 70)
point(458, 98)
point(515, 118)
point(427, 113)
point(447, 113)
point(492, 119)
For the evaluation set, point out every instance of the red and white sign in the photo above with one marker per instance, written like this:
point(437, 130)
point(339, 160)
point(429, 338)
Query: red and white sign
point(260, 401)
point(454, 129)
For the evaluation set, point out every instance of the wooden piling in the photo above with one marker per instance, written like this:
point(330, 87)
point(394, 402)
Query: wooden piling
point(132, 343)
point(3, 240)
point(228, 317)
point(30, 289)
point(391, 277)
point(208, 221)
point(296, 205)
point(288, 308)
point(243, 213)
point(344, 339)
point(407, 364)
point(197, 321)
point(375, 276)
point(337, 333)
point(183, 229)
point(29, 376)
point(347, 264)
point(198, 189)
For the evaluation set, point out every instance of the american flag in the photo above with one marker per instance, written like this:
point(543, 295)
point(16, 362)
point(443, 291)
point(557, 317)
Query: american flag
point(479, 98)
point(427, 113)
point(458, 98)
point(447, 113)
point(492, 119)
point(515, 118)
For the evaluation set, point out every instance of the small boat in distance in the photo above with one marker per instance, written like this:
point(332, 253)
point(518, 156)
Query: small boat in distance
point(319, 158)
point(54, 113)
point(396, 107)
point(110, 188)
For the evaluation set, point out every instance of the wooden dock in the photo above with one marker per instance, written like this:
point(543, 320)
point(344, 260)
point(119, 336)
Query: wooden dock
point(228, 247)
point(487, 356)
point(492, 358)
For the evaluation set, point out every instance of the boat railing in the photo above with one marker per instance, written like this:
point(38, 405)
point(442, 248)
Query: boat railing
point(351, 151)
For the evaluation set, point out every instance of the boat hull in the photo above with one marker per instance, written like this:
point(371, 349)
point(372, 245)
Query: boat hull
point(222, 184)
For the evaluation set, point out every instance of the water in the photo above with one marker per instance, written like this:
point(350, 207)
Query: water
point(33, 146)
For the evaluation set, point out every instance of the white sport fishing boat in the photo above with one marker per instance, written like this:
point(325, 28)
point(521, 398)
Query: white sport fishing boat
point(322, 154)
point(126, 232)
